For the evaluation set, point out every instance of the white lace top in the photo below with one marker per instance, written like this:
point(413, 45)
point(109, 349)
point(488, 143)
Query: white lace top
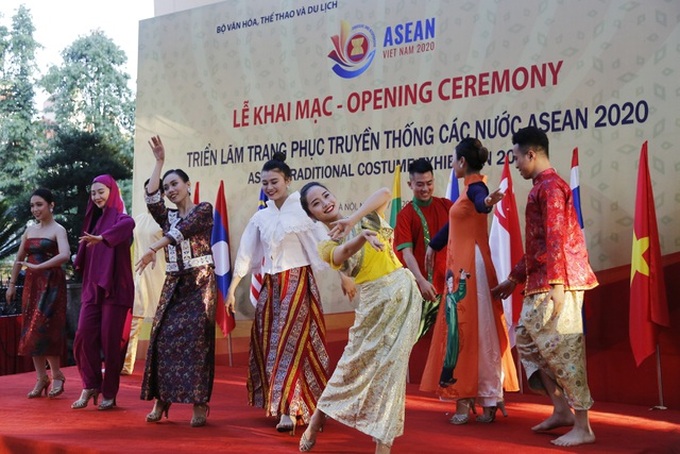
point(286, 238)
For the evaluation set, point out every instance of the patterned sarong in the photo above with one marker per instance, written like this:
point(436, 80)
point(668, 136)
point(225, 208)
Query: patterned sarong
point(555, 345)
point(288, 367)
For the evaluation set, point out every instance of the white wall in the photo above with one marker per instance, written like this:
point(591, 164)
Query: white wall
point(162, 7)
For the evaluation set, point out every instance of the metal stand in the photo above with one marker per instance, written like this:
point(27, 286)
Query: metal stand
point(229, 349)
point(659, 381)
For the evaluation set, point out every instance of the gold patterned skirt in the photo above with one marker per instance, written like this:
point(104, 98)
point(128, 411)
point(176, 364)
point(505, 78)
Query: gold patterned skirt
point(555, 345)
point(368, 388)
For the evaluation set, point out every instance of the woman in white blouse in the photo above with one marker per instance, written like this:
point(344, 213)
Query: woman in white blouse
point(288, 366)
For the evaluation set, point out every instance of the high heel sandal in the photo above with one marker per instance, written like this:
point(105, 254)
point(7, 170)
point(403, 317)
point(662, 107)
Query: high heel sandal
point(462, 418)
point(159, 408)
point(107, 404)
point(200, 420)
point(488, 416)
point(306, 444)
point(58, 381)
point(501, 406)
point(286, 426)
point(85, 396)
point(40, 386)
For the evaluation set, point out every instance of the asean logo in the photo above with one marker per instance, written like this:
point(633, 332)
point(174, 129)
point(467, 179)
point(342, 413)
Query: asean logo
point(354, 50)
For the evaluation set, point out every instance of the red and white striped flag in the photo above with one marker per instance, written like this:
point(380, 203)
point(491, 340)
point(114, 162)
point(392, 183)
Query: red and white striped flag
point(505, 241)
point(197, 196)
point(575, 185)
point(256, 277)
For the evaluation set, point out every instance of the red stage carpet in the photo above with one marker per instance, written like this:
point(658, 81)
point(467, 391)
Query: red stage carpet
point(51, 426)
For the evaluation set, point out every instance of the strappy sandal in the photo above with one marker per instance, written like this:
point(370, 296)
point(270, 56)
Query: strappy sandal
point(58, 381)
point(462, 418)
point(306, 444)
point(488, 416)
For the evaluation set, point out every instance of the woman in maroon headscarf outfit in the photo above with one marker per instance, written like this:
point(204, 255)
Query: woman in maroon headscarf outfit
point(108, 292)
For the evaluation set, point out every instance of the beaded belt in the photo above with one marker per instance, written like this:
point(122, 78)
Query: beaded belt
point(191, 263)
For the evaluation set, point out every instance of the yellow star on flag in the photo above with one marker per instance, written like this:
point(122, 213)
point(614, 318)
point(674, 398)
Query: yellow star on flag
point(638, 263)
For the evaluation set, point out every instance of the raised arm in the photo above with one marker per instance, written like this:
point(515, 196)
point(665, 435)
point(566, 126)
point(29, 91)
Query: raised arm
point(375, 202)
point(159, 153)
point(351, 247)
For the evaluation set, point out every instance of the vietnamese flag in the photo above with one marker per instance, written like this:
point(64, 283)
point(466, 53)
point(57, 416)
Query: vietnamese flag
point(648, 304)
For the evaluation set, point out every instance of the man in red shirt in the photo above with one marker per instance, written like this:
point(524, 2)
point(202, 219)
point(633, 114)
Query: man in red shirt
point(555, 272)
point(417, 222)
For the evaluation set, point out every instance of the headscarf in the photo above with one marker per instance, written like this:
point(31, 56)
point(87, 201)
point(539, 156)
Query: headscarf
point(101, 270)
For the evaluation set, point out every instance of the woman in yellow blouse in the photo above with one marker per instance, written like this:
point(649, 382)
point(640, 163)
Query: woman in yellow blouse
point(367, 390)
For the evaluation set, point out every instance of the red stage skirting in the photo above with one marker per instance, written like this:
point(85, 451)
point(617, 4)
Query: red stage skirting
point(50, 426)
point(10, 333)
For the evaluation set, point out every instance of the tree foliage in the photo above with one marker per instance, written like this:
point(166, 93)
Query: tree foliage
point(18, 116)
point(10, 230)
point(18, 125)
point(68, 168)
point(90, 92)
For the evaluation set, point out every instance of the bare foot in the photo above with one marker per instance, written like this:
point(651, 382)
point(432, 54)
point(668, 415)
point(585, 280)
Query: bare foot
point(575, 437)
point(382, 448)
point(554, 421)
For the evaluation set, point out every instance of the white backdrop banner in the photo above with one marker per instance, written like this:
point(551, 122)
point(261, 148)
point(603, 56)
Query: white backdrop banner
point(350, 89)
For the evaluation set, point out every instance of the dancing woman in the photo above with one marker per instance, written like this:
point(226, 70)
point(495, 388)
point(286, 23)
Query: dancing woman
point(288, 366)
point(180, 363)
point(107, 293)
point(43, 249)
point(386, 323)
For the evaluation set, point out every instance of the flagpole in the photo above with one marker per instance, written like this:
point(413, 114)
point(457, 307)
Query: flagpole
point(659, 380)
point(229, 349)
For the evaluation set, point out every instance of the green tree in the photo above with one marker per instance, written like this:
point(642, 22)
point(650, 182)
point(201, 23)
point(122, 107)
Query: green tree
point(10, 230)
point(18, 126)
point(89, 90)
point(73, 160)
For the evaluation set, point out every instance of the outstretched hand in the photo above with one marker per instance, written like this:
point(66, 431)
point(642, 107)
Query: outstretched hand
point(90, 239)
point(148, 257)
point(495, 197)
point(373, 239)
point(340, 229)
point(157, 148)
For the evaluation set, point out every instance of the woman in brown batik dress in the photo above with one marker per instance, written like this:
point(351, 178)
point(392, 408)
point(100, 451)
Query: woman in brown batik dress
point(180, 363)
